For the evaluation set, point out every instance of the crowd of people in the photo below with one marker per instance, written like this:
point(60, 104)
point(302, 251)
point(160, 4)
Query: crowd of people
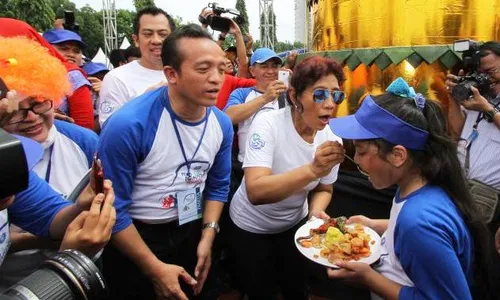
point(208, 157)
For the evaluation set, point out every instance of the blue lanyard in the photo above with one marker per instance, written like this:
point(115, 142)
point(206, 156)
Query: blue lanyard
point(49, 165)
point(188, 163)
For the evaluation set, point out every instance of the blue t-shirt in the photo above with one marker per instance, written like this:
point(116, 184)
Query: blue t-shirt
point(427, 247)
point(141, 154)
point(34, 208)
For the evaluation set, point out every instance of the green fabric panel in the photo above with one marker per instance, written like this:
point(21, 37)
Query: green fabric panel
point(353, 62)
point(383, 61)
point(367, 56)
point(301, 57)
point(449, 59)
point(340, 55)
point(398, 54)
point(431, 53)
point(415, 60)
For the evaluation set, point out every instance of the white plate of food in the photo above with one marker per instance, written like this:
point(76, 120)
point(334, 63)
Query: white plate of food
point(325, 242)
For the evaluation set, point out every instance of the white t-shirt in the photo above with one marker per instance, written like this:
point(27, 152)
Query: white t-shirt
point(122, 84)
point(274, 143)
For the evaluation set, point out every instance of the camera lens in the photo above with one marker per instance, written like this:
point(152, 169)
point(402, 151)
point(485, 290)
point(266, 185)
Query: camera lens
point(66, 275)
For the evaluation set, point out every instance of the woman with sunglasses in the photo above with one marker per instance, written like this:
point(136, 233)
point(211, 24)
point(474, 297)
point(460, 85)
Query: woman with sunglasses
point(290, 153)
point(68, 148)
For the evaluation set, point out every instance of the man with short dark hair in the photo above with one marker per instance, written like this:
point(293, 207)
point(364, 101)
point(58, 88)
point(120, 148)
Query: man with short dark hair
point(475, 122)
point(151, 26)
point(132, 53)
point(169, 156)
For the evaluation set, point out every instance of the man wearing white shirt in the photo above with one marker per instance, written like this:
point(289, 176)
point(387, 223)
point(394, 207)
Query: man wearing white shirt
point(151, 26)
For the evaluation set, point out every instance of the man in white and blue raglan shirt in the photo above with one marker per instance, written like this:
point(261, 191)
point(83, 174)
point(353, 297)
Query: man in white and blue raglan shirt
point(245, 103)
point(168, 153)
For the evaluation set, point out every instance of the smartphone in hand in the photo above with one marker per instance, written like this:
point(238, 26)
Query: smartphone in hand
point(284, 76)
point(98, 173)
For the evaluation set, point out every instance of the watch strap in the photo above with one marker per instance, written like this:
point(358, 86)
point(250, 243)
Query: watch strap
point(213, 225)
point(490, 115)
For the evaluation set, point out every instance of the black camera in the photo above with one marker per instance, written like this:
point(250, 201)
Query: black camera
point(69, 22)
point(471, 62)
point(67, 275)
point(218, 23)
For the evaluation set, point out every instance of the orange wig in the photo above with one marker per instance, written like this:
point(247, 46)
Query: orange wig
point(28, 68)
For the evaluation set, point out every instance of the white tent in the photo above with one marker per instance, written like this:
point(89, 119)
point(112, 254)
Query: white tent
point(125, 44)
point(100, 57)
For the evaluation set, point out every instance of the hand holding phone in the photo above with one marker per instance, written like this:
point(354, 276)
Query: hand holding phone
point(284, 76)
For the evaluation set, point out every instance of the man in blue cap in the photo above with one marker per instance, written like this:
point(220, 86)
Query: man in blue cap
point(245, 103)
point(96, 72)
point(68, 43)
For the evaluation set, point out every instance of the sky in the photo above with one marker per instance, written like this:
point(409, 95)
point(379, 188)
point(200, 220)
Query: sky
point(189, 10)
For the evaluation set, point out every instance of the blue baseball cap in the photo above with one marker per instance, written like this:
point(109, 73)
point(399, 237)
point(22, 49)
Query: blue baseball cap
point(262, 55)
point(92, 68)
point(57, 36)
point(33, 151)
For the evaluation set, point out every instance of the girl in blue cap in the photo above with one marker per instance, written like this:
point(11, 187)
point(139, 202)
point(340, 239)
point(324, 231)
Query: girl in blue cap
point(434, 245)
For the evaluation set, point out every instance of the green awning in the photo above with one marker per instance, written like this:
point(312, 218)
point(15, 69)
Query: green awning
point(385, 56)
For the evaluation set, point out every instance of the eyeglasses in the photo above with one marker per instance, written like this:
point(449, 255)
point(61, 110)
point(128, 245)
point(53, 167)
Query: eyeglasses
point(37, 108)
point(357, 166)
point(320, 95)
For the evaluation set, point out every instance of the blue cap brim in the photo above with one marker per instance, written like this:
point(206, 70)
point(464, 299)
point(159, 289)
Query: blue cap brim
point(261, 61)
point(82, 44)
point(350, 129)
point(32, 150)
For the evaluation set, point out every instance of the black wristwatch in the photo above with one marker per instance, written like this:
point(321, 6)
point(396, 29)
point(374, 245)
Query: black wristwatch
point(213, 225)
point(490, 115)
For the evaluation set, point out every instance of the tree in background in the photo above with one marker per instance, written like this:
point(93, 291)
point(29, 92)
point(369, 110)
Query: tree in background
point(124, 21)
point(59, 6)
point(91, 29)
point(140, 4)
point(241, 7)
point(38, 13)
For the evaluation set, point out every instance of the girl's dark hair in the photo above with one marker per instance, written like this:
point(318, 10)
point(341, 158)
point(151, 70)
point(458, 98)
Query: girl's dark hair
point(440, 166)
point(310, 70)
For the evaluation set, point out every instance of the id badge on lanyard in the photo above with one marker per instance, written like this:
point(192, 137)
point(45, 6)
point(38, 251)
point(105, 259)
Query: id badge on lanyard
point(472, 137)
point(189, 205)
point(4, 234)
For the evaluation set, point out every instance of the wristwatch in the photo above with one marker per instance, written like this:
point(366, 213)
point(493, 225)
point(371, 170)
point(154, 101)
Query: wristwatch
point(490, 115)
point(213, 225)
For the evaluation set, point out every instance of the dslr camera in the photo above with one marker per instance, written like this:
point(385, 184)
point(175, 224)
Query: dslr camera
point(471, 61)
point(218, 23)
point(69, 22)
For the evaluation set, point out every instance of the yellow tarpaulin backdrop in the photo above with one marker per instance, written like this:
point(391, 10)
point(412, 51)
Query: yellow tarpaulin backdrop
point(352, 24)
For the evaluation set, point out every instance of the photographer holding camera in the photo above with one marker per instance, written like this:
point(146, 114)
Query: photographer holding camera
point(474, 120)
